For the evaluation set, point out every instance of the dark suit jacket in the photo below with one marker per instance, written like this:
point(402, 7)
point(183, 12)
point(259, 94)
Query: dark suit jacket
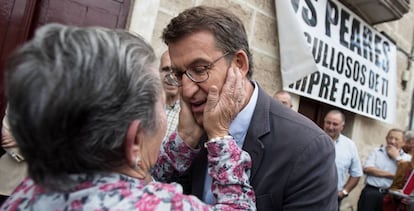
point(293, 161)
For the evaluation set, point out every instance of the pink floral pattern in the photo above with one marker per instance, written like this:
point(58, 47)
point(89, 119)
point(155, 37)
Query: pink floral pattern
point(175, 156)
point(113, 191)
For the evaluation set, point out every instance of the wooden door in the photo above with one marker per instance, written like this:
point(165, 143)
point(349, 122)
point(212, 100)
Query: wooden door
point(106, 13)
point(316, 111)
point(20, 18)
point(15, 20)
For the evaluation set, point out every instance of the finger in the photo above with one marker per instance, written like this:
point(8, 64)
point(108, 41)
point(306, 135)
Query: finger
point(8, 143)
point(229, 84)
point(184, 110)
point(212, 98)
point(239, 92)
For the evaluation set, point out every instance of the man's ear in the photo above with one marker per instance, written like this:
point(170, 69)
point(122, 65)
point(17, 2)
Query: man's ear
point(241, 61)
point(132, 142)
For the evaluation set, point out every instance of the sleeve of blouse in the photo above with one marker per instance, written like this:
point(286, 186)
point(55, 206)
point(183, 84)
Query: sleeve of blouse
point(229, 167)
point(175, 158)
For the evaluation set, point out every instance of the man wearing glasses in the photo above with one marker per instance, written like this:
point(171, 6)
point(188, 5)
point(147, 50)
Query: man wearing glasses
point(172, 96)
point(293, 159)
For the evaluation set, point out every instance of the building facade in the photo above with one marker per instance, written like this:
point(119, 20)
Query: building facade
point(260, 19)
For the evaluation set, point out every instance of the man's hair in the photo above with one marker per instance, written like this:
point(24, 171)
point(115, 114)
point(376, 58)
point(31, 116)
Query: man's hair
point(409, 134)
point(335, 111)
point(73, 93)
point(282, 92)
point(395, 130)
point(227, 28)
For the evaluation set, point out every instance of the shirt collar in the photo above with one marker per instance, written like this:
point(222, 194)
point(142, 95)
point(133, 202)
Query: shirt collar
point(240, 125)
point(337, 139)
point(177, 102)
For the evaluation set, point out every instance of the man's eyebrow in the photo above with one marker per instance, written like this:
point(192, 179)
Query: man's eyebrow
point(196, 62)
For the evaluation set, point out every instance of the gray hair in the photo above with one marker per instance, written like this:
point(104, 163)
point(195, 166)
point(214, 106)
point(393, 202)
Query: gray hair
point(409, 134)
point(73, 93)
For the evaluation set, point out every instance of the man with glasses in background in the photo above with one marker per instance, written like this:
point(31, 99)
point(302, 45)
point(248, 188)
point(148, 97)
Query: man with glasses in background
point(172, 96)
point(293, 159)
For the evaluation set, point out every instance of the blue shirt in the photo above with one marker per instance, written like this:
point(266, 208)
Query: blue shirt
point(380, 159)
point(238, 129)
point(347, 160)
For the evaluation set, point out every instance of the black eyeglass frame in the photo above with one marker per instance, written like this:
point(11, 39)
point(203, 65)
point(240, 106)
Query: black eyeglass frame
point(173, 76)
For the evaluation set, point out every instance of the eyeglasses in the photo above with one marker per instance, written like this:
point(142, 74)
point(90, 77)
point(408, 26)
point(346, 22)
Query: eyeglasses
point(197, 74)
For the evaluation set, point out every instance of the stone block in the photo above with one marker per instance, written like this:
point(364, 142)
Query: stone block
point(265, 6)
point(267, 71)
point(162, 20)
point(265, 35)
point(176, 6)
point(241, 10)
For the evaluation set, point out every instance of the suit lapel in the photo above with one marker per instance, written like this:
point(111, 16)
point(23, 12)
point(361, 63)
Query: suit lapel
point(259, 126)
point(199, 168)
point(255, 148)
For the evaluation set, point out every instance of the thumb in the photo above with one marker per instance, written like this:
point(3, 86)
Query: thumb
point(212, 98)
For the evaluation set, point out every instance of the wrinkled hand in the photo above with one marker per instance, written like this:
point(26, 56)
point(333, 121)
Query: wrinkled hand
point(222, 108)
point(7, 140)
point(188, 129)
point(392, 151)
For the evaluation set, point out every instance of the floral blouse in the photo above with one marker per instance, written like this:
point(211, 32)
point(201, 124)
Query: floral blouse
point(113, 191)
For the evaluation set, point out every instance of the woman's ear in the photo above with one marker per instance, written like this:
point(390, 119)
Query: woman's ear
point(132, 142)
point(241, 61)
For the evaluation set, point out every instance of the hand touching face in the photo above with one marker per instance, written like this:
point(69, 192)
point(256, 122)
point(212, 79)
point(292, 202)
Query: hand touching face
point(222, 108)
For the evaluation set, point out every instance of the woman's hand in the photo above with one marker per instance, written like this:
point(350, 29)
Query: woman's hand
point(188, 129)
point(222, 108)
point(7, 140)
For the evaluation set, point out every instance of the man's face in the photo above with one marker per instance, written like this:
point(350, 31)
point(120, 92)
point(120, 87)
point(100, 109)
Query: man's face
point(409, 145)
point(395, 138)
point(194, 50)
point(284, 99)
point(333, 125)
point(165, 68)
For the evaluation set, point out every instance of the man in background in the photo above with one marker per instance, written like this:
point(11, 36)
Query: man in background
point(409, 141)
point(380, 168)
point(172, 96)
point(283, 97)
point(347, 158)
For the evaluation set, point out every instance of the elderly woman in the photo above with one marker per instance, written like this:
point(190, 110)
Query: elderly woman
point(86, 109)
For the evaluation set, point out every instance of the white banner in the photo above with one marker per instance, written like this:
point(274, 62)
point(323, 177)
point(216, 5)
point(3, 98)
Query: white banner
point(331, 55)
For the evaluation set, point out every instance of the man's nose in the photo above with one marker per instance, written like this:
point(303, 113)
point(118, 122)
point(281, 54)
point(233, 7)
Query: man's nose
point(188, 86)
